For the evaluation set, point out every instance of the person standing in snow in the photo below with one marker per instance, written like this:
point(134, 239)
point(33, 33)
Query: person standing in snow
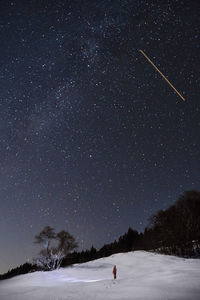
point(115, 272)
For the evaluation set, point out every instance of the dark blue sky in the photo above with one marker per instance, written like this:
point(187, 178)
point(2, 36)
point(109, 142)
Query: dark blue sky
point(93, 140)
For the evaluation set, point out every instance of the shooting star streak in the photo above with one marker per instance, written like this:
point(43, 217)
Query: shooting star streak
point(162, 75)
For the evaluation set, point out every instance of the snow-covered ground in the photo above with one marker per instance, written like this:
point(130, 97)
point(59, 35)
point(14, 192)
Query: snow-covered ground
point(141, 275)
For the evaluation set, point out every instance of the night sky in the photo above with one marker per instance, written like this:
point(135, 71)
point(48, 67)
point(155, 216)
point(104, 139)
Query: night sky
point(93, 140)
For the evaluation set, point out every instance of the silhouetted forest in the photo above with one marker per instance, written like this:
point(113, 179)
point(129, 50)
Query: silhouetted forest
point(23, 269)
point(174, 231)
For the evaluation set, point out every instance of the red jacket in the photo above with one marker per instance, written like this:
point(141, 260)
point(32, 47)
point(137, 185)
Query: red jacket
point(114, 269)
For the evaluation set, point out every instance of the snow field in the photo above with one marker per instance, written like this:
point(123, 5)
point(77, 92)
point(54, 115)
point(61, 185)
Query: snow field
point(140, 275)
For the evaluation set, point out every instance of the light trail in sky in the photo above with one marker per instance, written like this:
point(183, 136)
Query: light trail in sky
point(162, 75)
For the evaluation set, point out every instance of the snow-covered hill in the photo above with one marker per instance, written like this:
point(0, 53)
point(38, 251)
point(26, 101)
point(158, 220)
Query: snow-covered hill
point(141, 275)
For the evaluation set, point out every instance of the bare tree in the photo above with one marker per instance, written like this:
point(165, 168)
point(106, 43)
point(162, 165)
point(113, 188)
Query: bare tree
point(54, 247)
point(66, 243)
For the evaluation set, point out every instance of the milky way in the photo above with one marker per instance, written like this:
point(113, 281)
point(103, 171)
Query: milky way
point(93, 140)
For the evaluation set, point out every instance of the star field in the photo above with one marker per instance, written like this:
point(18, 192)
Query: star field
point(93, 140)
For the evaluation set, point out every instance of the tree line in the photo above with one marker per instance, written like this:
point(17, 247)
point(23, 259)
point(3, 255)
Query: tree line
point(177, 229)
point(174, 231)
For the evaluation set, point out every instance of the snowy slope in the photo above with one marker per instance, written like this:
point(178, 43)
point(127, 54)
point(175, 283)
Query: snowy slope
point(141, 275)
